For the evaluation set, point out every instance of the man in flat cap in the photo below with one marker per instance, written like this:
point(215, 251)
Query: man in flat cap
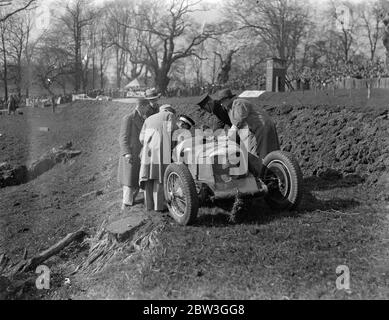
point(156, 155)
point(130, 147)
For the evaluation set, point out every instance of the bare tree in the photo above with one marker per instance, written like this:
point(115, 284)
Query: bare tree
point(19, 36)
point(77, 16)
point(52, 61)
point(346, 29)
point(103, 46)
point(225, 63)
point(7, 11)
point(280, 24)
point(129, 51)
point(370, 14)
point(168, 33)
point(4, 28)
point(6, 14)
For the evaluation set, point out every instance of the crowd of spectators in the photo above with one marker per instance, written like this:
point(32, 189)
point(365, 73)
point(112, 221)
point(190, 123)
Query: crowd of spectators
point(329, 74)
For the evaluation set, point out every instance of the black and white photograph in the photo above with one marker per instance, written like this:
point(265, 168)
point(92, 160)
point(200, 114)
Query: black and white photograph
point(217, 152)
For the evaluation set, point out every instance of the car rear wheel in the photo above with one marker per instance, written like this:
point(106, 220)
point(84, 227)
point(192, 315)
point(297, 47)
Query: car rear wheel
point(181, 194)
point(283, 177)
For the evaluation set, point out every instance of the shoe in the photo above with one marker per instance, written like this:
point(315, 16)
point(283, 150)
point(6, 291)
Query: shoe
point(125, 206)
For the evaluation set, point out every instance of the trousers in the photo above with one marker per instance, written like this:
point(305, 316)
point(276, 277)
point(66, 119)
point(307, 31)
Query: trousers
point(129, 195)
point(154, 195)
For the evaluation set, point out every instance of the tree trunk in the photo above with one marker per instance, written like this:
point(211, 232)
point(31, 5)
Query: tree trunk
point(101, 76)
point(19, 78)
point(78, 62)
point(223, 75)
point(118, 76)
point(5, 69)
point(161, 80)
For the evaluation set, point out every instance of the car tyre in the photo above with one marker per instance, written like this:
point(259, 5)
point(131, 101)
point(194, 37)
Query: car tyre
point(181, 194)
point(284, 179)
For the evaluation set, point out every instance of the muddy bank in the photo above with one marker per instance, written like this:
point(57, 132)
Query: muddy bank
point(11, 174)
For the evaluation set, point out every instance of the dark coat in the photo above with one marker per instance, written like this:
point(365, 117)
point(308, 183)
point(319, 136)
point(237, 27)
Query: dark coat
point(128, 173)
point(12, 103)
point(263, 137)
point(221, 112)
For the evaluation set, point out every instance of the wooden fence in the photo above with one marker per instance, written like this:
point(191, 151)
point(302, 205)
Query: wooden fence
point(352, 83)
point(346, 83)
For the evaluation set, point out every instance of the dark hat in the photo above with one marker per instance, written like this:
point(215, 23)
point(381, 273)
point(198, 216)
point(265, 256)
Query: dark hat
point(152, 94)
point(141, 101)
point(224, 94)
point(186, 119)
point(202, 100)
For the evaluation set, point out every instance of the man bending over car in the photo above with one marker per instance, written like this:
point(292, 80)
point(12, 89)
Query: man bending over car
point(239, 114)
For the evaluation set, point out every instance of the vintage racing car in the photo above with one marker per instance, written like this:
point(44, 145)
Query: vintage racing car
point(210, 168)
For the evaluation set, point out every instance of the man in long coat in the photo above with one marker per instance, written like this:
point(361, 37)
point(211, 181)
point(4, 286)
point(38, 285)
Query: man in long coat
point(130, 148)
point(156, 138)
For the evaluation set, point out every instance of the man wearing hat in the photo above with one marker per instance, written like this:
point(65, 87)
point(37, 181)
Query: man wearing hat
point(156, 155)
point(186, 129)
point(218, 105)
point(261, 137)
point(152, 95)
point(185, 122)
point(130, 148)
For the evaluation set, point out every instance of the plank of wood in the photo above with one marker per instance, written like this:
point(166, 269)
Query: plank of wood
point(35, 261)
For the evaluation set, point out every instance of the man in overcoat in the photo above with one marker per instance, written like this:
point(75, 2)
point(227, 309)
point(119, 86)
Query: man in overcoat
point(130, 148)
point(156, 138)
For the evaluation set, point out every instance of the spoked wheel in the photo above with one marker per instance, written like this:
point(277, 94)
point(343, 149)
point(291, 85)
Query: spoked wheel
point(283, 177)
point(181, 194)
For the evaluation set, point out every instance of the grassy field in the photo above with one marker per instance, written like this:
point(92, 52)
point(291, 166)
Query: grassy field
point(270, 255)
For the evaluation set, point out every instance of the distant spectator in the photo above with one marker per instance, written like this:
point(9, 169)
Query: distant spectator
point(12, 104)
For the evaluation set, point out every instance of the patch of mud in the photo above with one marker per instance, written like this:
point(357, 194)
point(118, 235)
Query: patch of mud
point(11, 175)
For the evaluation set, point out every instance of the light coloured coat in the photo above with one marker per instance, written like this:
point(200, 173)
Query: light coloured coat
point(262, 137)
point(156, 138)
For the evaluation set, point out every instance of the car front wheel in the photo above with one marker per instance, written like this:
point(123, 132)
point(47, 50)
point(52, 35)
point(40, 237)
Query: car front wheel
point(181, 194)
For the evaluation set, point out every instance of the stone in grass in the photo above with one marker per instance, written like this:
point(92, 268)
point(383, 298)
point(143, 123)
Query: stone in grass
point(124, 229)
